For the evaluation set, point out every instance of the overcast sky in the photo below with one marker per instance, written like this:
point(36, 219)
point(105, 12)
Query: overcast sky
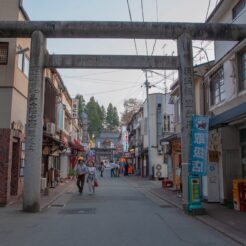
point(116, 85)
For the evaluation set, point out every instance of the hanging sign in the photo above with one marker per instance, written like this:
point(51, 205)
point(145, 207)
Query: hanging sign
point(75, 105)
point(199, 145)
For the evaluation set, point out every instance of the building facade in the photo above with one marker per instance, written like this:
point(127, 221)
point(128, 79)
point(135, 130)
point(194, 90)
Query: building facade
point(226, 102)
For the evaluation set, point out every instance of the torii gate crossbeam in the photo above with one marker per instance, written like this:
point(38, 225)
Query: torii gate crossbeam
point(138, 30)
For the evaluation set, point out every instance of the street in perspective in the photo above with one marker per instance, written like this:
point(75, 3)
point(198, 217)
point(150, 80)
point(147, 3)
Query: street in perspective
point(122, 122)
point(123, 211)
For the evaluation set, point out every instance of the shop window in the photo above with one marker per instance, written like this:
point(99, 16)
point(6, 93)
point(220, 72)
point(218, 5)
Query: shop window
point(238, 8)
point(242, 71)
point(217, 87)
point(23, 62)
point(4, 49)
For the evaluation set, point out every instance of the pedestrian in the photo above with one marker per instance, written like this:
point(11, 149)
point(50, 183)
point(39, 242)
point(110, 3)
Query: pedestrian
point(80, 174)
point(112, 165)
point(92, 177)
point(117, 169)
point(101, 168)
point(126, 168)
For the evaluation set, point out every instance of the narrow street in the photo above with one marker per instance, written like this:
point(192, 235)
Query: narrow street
point(123, 212)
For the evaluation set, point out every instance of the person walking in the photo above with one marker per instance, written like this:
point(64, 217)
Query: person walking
point(101, 168)
point(80, 174)
point(112, 165)
point(92, 177)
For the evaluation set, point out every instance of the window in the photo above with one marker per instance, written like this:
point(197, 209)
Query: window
point(238, 8)
point(167, 127)
point(242, 71)
point(4, 48)
point(217, 87)
point(23, 62)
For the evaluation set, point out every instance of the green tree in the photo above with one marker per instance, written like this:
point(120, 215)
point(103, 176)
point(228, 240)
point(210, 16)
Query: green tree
point(94, 117)
point(81, 106)
point(103, 116)
point(112, 118)
point(116, 120)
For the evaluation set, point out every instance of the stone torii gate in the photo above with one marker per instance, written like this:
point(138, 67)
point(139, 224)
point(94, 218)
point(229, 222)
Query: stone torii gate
point(184, 33)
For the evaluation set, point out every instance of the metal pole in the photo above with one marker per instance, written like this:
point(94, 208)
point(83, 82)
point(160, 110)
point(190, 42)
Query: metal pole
point(34, 125)
point(147, 85)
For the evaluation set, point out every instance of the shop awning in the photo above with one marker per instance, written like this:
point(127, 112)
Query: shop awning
point(171, 137)
point(223, 119)
point(77, 146)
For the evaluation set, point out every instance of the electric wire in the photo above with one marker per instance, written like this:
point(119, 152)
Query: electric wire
point(157, 17)
point(130, 15)
point(146, 45)
point(108, 91)
point(208, 10)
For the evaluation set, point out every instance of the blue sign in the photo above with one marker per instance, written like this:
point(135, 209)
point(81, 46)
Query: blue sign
point(199, 145)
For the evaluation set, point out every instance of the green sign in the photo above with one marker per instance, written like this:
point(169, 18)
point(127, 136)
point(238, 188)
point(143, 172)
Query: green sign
point(194, 193)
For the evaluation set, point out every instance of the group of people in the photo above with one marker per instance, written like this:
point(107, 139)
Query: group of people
point(86, 171)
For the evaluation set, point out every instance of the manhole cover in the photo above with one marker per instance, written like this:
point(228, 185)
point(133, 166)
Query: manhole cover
point(79, 211)
point(166, 206)
point(57, 205)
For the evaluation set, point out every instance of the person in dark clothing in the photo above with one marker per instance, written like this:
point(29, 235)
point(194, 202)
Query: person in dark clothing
point(102, 168)
point(80, 174)
point(126, 169)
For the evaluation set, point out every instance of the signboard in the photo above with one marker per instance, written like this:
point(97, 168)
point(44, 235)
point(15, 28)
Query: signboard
point(75, 105)
point(194, 193)
point(199, 145)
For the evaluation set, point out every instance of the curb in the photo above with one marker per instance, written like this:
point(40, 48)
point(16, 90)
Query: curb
point(218, 228)
point(45, 205)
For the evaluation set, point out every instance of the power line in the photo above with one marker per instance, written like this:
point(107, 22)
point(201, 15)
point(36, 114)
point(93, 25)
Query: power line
point(208, 10)
point(146, 45)
point(91, 80)
point(130, 15)
point(108, 91)
point(157, 16)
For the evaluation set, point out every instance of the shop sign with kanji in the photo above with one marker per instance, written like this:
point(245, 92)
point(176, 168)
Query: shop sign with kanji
point(199, 145)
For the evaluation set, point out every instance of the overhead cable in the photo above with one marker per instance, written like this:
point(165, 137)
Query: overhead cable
point(130, 15)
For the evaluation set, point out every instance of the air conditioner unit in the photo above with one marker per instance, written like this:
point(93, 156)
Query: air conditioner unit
point(43, 183)
point(160, 171)
point(51, 128)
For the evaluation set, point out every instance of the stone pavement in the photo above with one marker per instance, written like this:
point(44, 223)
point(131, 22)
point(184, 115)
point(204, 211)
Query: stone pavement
point(230, 222)
point(227, 221)
point(53, 194)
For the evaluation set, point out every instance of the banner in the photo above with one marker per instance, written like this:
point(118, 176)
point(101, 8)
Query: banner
point(199, 145)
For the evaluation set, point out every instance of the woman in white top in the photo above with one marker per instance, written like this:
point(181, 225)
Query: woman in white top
point(92, 177)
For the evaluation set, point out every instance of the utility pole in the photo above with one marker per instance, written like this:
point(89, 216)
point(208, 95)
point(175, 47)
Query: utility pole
point(147, 86)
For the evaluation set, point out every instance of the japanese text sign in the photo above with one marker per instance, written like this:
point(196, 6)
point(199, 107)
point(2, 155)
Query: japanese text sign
point(75, 104)
point(199, 145)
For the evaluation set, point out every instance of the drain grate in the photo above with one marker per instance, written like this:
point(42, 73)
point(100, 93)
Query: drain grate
point(79, 211)
point(166, 206)
point(57, 205)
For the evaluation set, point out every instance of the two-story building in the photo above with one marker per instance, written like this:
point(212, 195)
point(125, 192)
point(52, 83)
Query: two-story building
point(226, 102)
point(14, 70)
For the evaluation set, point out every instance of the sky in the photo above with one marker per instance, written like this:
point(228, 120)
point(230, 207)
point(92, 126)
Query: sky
point(117, 85)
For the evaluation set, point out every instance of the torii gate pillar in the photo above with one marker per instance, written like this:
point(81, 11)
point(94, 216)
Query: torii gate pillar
point(185, 55)
point(34, 125)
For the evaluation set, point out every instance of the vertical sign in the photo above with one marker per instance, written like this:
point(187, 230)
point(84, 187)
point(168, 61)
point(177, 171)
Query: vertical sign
point(75, 105)
point(199, 145)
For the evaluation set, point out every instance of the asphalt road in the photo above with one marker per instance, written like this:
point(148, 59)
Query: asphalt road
point(123, 212)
